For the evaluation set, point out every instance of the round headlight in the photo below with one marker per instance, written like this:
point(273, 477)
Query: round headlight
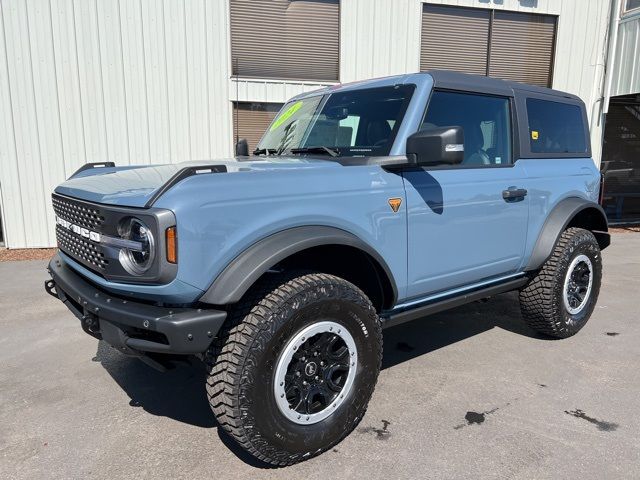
point(138, 258)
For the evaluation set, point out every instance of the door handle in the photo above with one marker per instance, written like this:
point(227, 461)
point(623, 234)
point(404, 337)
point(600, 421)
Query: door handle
point(514, 193)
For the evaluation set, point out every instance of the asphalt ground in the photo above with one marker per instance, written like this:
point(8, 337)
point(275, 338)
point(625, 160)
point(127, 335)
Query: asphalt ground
point(469, 393)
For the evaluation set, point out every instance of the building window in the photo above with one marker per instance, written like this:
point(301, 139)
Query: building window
point(631, 5)
point(251, 120)
point(511, 45)
point(285, 39)
point(620, 164)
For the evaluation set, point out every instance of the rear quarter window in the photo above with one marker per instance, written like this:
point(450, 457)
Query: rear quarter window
point(556, 127)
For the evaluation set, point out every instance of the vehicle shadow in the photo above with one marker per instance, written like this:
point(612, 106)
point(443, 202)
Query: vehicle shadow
point(413, 339)
point(179, 393)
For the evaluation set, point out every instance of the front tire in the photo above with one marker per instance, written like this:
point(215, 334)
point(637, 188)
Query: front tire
point(293, 371)
point(559, 300)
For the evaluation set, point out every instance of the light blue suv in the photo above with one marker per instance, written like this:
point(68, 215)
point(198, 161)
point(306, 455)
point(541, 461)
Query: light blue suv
point(363, 206)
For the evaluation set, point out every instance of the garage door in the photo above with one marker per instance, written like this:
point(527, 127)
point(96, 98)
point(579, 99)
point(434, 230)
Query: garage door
point(510, 45)
point(297, 39)
point(251, 119)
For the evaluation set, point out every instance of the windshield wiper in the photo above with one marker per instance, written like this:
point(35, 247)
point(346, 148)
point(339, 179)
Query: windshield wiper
point(262, 151)
point(334, 152)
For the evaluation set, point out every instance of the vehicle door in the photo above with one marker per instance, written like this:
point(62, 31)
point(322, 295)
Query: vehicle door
point(467, 223)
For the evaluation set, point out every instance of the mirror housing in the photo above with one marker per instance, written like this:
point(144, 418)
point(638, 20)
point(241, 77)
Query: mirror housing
point(435, 146)
point(242, 148)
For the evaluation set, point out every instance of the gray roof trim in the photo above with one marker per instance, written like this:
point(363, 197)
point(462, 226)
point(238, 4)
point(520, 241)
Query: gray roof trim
point(448, 80)
point(481, 84)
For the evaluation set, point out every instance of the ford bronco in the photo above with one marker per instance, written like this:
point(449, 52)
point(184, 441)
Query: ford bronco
point(363, 206)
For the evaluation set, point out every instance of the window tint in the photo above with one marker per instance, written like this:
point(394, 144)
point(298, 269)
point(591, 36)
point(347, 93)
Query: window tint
point(555, 127)
point(485, 120)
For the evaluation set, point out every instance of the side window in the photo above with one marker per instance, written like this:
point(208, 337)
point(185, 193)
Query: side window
point(486, 121)
point(555, 127)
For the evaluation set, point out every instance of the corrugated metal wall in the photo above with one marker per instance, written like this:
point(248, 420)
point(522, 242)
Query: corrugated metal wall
point(149, 81)
point(131, 81)
point(382, 37)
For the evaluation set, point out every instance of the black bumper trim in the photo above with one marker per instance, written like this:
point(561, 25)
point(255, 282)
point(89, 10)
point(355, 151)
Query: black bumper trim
point(133, 327)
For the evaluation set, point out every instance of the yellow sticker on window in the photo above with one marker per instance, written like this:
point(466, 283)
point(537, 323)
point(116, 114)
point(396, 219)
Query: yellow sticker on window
point(534, 134)
point(284, 116)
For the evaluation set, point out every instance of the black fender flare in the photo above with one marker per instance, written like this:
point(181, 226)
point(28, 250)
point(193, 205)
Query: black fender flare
point(558, 220)
point(243, 271)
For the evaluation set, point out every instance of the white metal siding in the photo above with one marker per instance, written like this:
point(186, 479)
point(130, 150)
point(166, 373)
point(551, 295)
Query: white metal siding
point(131, 81)
point(627, 62)
point(382, 37)
point(149, 81)
point(581, 46)
point(268, 90)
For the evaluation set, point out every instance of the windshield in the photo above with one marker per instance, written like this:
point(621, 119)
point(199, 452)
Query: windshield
point(353, 123)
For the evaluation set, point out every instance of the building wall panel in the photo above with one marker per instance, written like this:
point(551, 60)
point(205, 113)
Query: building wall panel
point(370, 26)
point(270, 91)
point(141, 81)
point(129, 81)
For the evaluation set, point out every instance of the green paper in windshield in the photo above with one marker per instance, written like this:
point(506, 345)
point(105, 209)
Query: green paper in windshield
point(284, 116)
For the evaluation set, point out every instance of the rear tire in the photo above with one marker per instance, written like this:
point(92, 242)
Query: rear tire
point(302, 334)
point(559, 300)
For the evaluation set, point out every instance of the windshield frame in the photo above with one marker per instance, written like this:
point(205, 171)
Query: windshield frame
point(349, 151)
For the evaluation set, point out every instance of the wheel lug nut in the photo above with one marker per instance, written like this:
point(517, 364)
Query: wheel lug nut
point(298, 374)
point(304, 382)
point(322, 364)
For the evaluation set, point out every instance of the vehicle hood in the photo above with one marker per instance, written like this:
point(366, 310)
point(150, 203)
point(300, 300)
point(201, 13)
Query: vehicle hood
point(134, 186)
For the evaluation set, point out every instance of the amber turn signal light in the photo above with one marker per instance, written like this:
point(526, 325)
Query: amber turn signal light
point(172, 245)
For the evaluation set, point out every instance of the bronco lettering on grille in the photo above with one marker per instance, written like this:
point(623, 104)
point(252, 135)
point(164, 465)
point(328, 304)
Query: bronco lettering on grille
point(83, 232)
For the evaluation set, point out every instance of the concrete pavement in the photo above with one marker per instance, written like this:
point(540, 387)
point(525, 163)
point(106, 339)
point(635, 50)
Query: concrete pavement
point(470, 393)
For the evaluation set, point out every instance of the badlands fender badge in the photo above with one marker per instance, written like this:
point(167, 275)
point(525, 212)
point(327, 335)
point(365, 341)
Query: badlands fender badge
point(395, 203)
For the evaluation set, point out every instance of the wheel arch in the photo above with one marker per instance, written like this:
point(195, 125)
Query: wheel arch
point(570, 212)
point(296, 245)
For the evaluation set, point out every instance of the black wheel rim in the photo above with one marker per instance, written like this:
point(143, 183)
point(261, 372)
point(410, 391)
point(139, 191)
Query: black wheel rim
point(578, 283)
point(315, 372)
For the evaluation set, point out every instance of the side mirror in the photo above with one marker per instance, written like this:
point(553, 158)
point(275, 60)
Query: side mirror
point(435, 146)
point(242, 148)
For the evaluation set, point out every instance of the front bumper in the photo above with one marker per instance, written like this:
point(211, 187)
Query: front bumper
point(133, 328)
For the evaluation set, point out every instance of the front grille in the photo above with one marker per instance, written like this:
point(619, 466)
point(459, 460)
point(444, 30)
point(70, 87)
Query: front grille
point(81, 249)
point(86, 232)
point(87, 252)
point(78, 213)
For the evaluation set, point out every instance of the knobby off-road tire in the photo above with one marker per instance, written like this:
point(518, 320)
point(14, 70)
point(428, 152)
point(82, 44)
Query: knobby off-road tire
point(550, 303)
point(243, 364)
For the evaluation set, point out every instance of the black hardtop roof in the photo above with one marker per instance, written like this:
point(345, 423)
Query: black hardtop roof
point(481, 84)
